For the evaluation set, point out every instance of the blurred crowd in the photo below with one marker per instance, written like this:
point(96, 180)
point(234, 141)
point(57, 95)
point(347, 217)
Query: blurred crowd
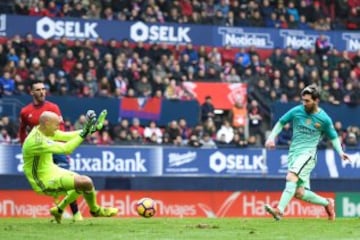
point(303, 14)
point(116, 69)
point(122, 68)
point(205, 134)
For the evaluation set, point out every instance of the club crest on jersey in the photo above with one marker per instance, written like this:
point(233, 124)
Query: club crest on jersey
point(308, 121)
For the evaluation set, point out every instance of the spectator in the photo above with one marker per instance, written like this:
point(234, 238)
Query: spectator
point(79, 123)
point(53, 10)
point(5, 138)
point(172, 90)
point(37, 69)
point(122, 137)
point(255, 120)
point(238, 114)
point(226, 133)
point(137, 127)
point(293, 12)
point(78, 11)
point(238, 140)
point(336, 93)
point(38, 9)
point(207, 142)
point(135, 138)
point(7, 84)
point(143, 87)
point(184, 130)
point(351, 140)
point(322, 47)
point(173, 132)
point(152, 133)
point(104, 138)
point(207, 109)
point(69, 61)
point(10, 126)
point(194, 141)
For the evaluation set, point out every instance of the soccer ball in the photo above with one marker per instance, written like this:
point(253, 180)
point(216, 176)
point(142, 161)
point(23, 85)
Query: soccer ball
point(146, 207)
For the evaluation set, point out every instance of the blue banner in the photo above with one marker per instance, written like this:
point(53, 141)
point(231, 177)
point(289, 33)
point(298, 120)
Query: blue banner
point(262, 38)
point(174, 161)
point(114, 161)
point(332, 166)
point(169, 109)
point(214, 162)
point(95, 161)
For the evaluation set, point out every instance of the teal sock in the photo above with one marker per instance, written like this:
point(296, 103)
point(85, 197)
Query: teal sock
point(70, 197)
point(312, 197)
point(287, 195)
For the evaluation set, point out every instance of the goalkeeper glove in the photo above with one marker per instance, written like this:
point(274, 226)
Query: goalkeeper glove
point(89, 124)
point(100, 122)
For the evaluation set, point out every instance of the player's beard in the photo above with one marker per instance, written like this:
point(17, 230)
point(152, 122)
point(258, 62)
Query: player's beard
point(310, 109)
point(40, 99)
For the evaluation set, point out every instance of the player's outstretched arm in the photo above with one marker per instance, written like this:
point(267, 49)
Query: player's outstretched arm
point(270, 142)
point(338, 148)
point(71, 145)
point(65, 136)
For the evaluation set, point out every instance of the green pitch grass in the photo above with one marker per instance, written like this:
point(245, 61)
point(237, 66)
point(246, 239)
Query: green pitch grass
point(187, 229)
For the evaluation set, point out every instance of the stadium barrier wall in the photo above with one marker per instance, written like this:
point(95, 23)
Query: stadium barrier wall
point(167, 161)
point(179, 204)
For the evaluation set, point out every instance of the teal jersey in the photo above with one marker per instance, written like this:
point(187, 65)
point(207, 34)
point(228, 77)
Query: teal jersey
point(308, 129)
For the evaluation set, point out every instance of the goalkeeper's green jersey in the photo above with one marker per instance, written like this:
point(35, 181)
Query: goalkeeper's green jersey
point(308, 129)
point(38, 150)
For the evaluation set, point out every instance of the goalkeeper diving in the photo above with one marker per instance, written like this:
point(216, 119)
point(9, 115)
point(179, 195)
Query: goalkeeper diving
point(47, 178)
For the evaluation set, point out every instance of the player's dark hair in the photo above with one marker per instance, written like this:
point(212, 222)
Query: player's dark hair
point(311, 90)
point(35, 82)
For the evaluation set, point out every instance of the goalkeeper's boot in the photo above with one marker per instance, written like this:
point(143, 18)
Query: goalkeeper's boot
point(330, 209)
point(54, 211)
point(275, 212)
point(77, 217)
point(104, 212)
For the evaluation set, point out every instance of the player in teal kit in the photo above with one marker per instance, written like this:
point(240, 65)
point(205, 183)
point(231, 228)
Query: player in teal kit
point(310, 123)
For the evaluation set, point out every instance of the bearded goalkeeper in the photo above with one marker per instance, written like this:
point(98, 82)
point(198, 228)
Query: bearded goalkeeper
point(47, 178)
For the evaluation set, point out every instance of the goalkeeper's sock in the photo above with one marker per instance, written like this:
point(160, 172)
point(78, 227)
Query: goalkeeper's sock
point(287, 195)
point(74, 207)
point(90, 198)
point(69, 198)
point(310, 196)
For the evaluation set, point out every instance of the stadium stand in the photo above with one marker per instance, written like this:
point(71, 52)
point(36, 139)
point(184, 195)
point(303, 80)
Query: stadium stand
point(118, 69)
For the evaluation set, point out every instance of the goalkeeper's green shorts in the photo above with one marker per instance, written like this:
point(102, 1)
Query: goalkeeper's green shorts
point(55, 183)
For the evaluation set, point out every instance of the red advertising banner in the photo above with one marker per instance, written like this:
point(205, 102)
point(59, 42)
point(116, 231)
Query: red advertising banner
point(169, 204)
point(224, 95)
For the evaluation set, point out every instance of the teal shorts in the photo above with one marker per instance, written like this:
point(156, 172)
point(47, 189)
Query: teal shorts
point(302, 165)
